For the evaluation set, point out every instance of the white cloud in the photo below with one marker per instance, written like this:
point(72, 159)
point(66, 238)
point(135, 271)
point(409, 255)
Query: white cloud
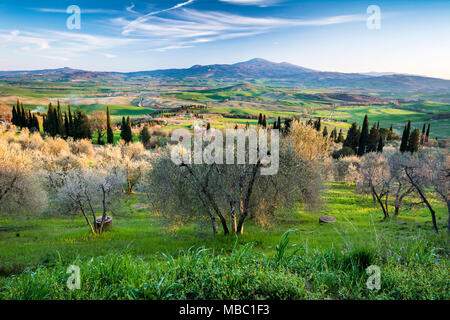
point(189, 26)
point(173, 47)
point(130, 8)
point(63, 46)
point(16, 36)
point(261, 3)
point(130, 26)
point(50, 57)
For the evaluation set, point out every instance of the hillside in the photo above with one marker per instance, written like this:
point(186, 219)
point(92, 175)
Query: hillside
point(252, 70)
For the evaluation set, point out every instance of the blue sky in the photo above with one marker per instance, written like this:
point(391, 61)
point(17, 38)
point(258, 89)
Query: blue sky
point(143, 35)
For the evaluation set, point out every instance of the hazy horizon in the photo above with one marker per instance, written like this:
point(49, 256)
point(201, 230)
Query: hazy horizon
point(373, 73)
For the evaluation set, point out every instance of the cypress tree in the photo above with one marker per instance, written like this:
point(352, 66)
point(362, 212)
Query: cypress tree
point(128, 131)
point(380, 145)
point(59, 121)
point(422, 136)
point(405, 137)
point(14, 116)
point(123, 129)
point(29, 119)
point(44, 124)
point(372, 141)
point(260, 119)
point(318, 124)
point(287, 126)
point(66, 124)
point(333, 135)
point(391, 129)
point(414, 140)
point(352, 137)
point(109, 130)
point(70, 127)
point(82, 127)
point(340, 138)
point(427, 136)
point(363, 139)
point(35, 122)
point(325, 132)
point(51, 120)
point(264, 122)
point(23, 119)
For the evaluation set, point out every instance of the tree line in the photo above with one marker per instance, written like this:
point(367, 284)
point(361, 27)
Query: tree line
point(362, 140)
point(22, 118)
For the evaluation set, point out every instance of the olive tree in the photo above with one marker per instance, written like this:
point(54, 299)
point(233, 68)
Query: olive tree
point(90, 190)
point(400, 184)
point(20, 181)
point(232, 192)
point(430, 170)
point(375, 179)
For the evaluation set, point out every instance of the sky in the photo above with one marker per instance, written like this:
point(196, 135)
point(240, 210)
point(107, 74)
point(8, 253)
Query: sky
point(410, 37)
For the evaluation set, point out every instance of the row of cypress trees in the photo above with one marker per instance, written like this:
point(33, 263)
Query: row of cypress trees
point(76, 126)
point(364, 140)
point(262, 120)
point(412, 140)
point(125, 130)
point(338, 138)
point(22, 118)
point(334, 136)
point(55, 123)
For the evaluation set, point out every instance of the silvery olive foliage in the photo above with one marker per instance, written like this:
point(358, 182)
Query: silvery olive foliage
point(229, 194)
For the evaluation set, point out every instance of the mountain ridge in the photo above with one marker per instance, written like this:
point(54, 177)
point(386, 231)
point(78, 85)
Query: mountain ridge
point(257, 69)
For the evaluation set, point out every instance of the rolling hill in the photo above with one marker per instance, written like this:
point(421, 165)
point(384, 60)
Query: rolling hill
point(256, 70)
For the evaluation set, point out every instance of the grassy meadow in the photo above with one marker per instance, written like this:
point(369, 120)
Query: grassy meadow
point(146, 257)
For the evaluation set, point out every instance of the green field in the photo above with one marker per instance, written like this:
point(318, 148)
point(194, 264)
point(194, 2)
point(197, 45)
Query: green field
point(28, 241)
point(388, 115)
point(145, 257)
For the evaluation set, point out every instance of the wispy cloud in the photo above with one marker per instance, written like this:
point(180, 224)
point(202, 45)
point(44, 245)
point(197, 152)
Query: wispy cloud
point(131, 26)
point(16, 36)
point(50, 57)
point(184, 27)
point(61, 45)
point(173, 47)
point(261, 3)
point(109, 55)
point(130, 8)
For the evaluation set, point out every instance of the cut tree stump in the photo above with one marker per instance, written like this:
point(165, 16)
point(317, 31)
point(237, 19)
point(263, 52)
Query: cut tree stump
point(327, 219)
point(107, 225)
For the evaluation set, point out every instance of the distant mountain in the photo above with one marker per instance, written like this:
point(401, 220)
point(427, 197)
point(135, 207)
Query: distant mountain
point(255, 69)
point(60, 74)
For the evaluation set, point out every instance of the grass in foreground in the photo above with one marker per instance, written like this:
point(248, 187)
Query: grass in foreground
point(28, 241)
point(407, 272)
